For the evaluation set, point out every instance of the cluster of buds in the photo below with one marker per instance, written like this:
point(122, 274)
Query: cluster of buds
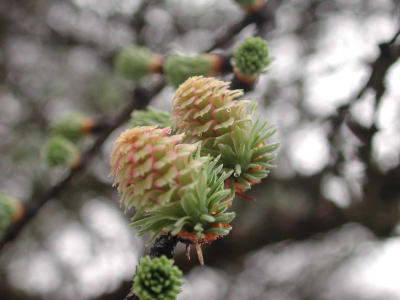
point(249, 60)
point(62, 148)
point(183, 180)
point(11, 210)
point(135, 63)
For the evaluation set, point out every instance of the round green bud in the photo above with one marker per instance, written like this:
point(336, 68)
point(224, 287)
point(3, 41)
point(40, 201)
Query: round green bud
point(252, 56)
point(61, 152)
point(135, 62)
point(157, 279)
point(71, 126)
point(178, 68)
point(9, 211)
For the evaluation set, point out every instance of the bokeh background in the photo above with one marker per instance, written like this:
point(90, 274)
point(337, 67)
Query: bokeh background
point(326, 222)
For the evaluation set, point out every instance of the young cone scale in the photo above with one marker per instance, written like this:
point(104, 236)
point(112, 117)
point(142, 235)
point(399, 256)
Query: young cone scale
point(150, 167)
point(205, 110)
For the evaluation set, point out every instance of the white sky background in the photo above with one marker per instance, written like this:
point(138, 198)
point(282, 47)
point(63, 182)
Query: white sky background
point(333, 75)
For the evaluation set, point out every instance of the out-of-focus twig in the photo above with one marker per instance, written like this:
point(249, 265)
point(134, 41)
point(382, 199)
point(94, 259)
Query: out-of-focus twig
point(262, 17)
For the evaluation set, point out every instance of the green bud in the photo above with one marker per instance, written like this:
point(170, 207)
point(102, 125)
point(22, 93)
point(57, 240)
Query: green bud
point(157, 279)
point(151, 117)
point(136, 62)
point(252, 56)
point(178, 68)
point(60, 152)
point(73, 126)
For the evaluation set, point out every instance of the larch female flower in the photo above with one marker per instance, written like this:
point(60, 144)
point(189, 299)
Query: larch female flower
point(206, 110)
point(151, 168)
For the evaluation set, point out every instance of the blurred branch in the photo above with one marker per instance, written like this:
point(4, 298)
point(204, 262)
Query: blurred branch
point(389, 54)
point(262, 17)
point(140, 99)
point(138, 20)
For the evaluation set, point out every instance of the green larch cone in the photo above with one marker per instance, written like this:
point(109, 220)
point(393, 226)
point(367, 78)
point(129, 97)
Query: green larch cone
point(59, 151)
point(251, 57)
point(151, 169)
point(204, 108)
point(73, 126)
point(10, 211)
point(157, 279)
point(136, 62)
point(150, 117)
point(200, 215)
point(178, 68)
